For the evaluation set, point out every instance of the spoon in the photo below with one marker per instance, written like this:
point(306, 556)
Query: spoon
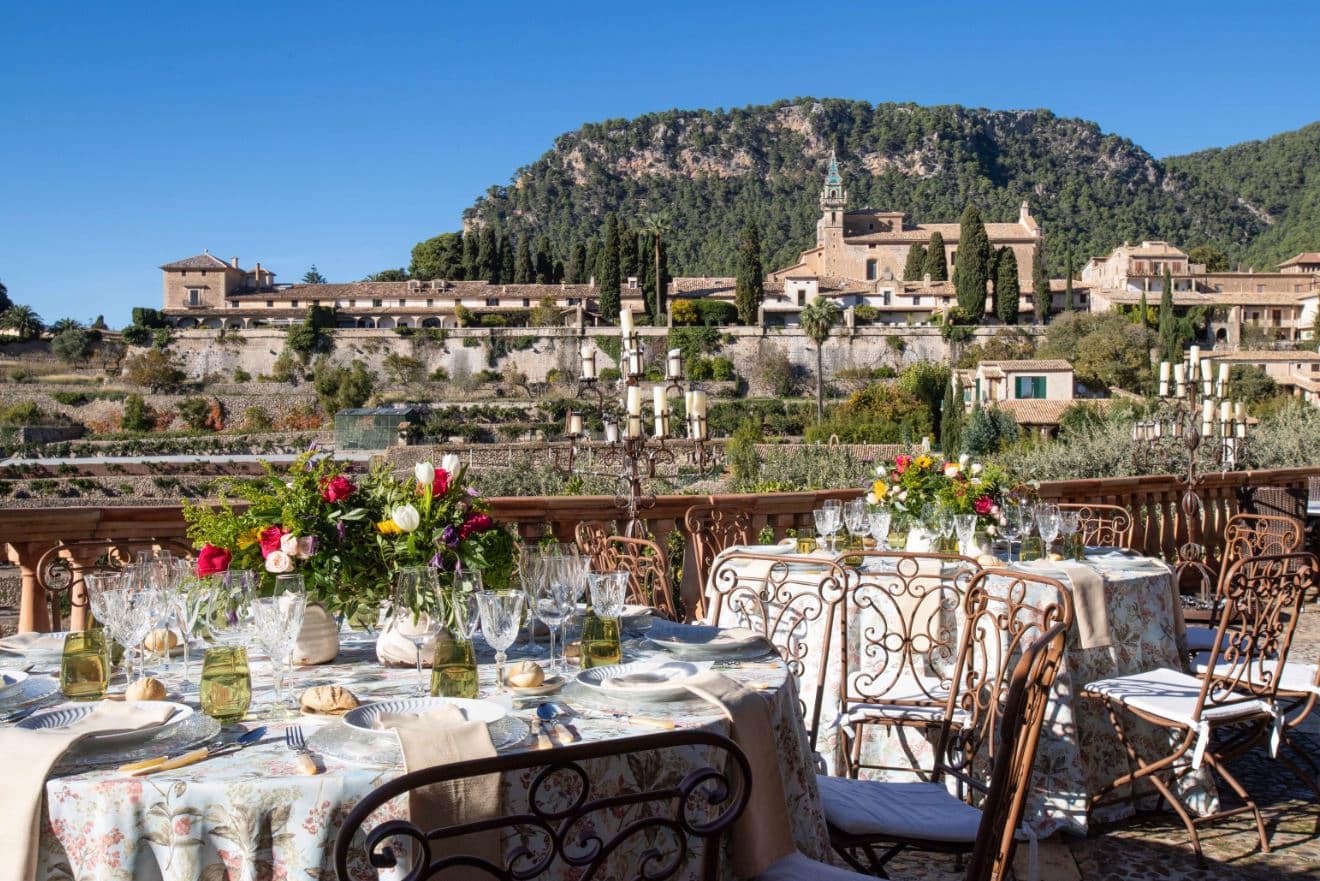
point(548, 714)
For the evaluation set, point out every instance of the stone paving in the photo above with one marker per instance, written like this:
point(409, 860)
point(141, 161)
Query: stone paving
point(1155, 845)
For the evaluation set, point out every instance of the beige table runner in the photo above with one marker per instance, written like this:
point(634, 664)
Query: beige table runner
point(442, 737)
point(763, 834)
point(28, 758)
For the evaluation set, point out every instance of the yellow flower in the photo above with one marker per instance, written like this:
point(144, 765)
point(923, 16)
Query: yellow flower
point(923, 461)
point(249, 538)
point(388, 527)
point(879, 488)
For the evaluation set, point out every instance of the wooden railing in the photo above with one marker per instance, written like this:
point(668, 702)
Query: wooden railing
point(52, 546)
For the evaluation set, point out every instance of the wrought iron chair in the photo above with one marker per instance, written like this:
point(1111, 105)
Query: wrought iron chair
point(711, 529)
point(1106, 526)
point(1013, 629)
point(1261, 603)
point(794, 603)
point(570, 822)
point(903, 609)
point(645, 563)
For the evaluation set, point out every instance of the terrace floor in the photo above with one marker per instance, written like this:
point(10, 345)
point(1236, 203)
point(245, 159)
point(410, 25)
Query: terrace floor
point(1156, 846)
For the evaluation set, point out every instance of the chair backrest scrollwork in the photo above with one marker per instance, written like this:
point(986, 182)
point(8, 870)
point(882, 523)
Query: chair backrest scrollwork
point(642, 559)
point(1106, 526)
point(711, 529)
point(1260, 535)
point(570, 817)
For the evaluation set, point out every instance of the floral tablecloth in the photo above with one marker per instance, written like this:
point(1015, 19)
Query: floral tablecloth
point(1079, 752)
point(252, 817)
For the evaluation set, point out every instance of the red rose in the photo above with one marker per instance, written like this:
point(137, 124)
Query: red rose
point(475, 523)
point(211, 559)
point(982, 505)
point(270, 539)
point(337, 488)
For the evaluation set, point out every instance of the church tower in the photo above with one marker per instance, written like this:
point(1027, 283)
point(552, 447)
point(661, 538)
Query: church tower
point(829, 229)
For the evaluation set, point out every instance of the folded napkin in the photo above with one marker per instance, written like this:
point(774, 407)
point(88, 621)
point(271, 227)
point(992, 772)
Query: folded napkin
point(394, 649)
point(1089, 605)
point(442, 736)
point(21, 643)
point(763, 833)
point(29, 756)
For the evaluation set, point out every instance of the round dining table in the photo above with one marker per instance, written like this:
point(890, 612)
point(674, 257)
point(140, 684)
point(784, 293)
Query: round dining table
point(252, 815)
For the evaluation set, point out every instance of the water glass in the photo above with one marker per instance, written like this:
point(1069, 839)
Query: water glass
point(1047, 521)
point(1069, 523)
point(855, 519)
point(880, 521)
point(226, 689)
point(85, 666)
point(276, 622)
point(835, 509)
point(415, 611)
point(501, 613)
point(965, 525)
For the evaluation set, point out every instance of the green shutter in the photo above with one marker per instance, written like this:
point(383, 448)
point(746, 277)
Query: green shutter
point(1038, 387)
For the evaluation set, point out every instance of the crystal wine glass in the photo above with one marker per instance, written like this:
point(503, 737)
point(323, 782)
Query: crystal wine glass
point(880, 521)
point(276, 621)
point(835, 517)
point(554, 602)
point(1011, 528)
point(531, 566)
point(139, 610)
point(413, 613)
point(189, 597)
point(608, 590)
point(965, 525)
point(1069, 523)
point(855, 519)
point(501, 613)
point(1047, 521)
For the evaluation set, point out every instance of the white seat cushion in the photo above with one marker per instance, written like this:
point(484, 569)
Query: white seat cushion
point(796, 867)
point(903, 810)
point(1298, 676)
point(901, 713)
point(1172, 695)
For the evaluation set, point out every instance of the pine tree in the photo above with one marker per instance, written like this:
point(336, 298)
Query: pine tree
point(543, 262)
point(749, 290)
point(313, 276)
point(1008, 289)
point(951, 419)
point(576, 270)
point(1040, 284)
point(970, 268)
point(1067, 281)
point(915, 265)
point(506, 259)
point(470, 256)
point(609, 269)
point(1168, 328)
point(522, 264)
point(488, 256)
point(936, 263)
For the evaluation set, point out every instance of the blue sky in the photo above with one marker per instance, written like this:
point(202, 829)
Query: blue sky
point(339, 134)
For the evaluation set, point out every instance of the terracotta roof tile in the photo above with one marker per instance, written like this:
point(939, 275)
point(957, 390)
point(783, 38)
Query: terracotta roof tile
point(1030, 364)
point(1042, 412)
point(201, 261)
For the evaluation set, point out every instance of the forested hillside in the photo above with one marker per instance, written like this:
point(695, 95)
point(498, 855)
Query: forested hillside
point(711, 172)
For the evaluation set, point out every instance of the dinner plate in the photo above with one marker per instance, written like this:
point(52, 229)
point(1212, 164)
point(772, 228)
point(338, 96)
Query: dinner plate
point(364, 717)
point(631, 612)
point(11, 679)
point(65, 715)
point(641, 680)
point(32, 690)
point(359, 747)
point(702, 641)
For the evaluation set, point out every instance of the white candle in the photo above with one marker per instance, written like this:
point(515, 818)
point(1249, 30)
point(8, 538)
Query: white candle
point(1207, 415)
point(1242, 428)
point(635, 362)
point(635, 426)
point(1136, 434)
point(1223, 372)
point(634, 400)
point(675, 362)
point(660, 402)
point(661, 425)
point(1164, 371)
point(1180, 373)
point(1158, 429)
point(626, 322)
point(699, 403)
point(1240, 411)
point(611, 432)
point(588, 364)
point(1195, 355)
point(1226, 411)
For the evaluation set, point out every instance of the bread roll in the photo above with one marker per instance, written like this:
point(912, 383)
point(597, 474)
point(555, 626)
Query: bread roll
point(328, 700)
point(1056, 557)
point(986, 561)
point(525, 674)
point(161, 640)
point(145, 690)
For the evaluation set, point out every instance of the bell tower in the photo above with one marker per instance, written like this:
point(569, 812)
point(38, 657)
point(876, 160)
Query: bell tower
point(829, 229)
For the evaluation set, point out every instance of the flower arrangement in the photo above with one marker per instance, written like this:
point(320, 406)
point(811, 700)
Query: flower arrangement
point(909, 486)
point(347, 534)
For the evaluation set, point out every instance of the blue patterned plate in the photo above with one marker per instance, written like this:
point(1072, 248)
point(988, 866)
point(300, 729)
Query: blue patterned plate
point(67, 714)
point(364, 717)
point(640, 681)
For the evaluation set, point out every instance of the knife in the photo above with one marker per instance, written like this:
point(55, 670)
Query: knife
point(165, 763)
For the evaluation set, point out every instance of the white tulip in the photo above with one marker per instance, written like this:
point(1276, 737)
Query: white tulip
point(951, 469)
point(871, 499)
point(963, 460)
point(278, 562)
point(425, 472)
point(451, 463)
point(406, 518)
point(978, 468)
point(289, 544)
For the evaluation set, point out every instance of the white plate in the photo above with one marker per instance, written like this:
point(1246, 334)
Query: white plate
point(769, 550)
point(630, 613)
point(699, 641)
point(364, 717)
point(66, 714)
point(647, 680)
point(549, 686)
point(10, 678)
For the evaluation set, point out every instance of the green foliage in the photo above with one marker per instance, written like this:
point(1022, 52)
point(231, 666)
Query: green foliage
point(799, 469)
point(776, 370)
point(865, 314)
point(402, 369)
point(342, 388)
point(137, 417)
point(149, 318)
point(71, 399)
point(161, 337)
point(256, 418)
point(241, 375)
point(749, 290)
point(545, 314)
point(1213, 259)
point(195, 412)
point(313, 276)
point(23, 321)
point(818, 318)
point(5, 302)
point(610, 277)
point(1080, 419)
point(23, 413)
point(740, 452)
point(1170, 347)
point(1106, 350)
point(438, 257)
point(463, 315)
point(1008, 344)
point(135, 335)
point(72, 345)
point(971, 267)
point(951, 420)
point(692, 342)
point(399, 274)
point(154, 369)
point(915, 264)
point(721, 370)
point(1040, 285)
point(288, 367)
point(1008, 289)
point(988, 431)
point(937, 263)
point(1068, 304)
point(313, 335)
point(881, 413)
point(926, 381)
point(1250, 384)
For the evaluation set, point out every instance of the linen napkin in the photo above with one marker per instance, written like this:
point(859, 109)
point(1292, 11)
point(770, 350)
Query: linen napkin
point(763, 833)
point(442, 736)
point(22, 643)
point(1089, 605)
point(29, 756)
point(395, 649)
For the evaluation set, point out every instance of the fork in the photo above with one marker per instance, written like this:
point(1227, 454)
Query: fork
point(294, 740)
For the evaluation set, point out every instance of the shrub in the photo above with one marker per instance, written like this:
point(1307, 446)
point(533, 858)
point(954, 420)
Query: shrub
point(22, 413)
point(744, 461)
point(484, 377)
point(555, 375)
point(257, 419)
point(988, 431)
point(155, 370)
point(878, 414)
point(72, 346)
point(136, 336)
point(342, 388)
point(866, 314)
point(439, 375)
point(777, 372)
point(494, 319)
point(161, 337)
point(241, 375)
point(20, 374)
point(194, 412)
point(402, 369)
point(683, 311)
point(287, 368)
point(721, 369)
point(463, 315)
point(71, 399)
point(699, 369)
point(137, 415)
point(610, 374)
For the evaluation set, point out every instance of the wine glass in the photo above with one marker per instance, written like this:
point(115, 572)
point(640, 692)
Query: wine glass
point(103, 601)
point(189, 597)
point(139, 610)
point(880, 521)
point(835, 517)
point(965, 525)
point(1069, 523)
point(554, 602)
point(945, 524)
point(413, 613)
point(571, 569)
point(501, 613)
point(1047, 521)
point(531, 565)
point(1011, 528)
point(276, 621)
point(855, 519)
point(608, 590)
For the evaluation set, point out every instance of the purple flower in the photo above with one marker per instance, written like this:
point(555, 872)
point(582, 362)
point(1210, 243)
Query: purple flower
point(451, 536)
point(341, 529)
point(472, 491)
point(438, 561)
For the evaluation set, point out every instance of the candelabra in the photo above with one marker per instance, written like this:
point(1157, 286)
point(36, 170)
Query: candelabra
point(1194, 410)
point(629, 451)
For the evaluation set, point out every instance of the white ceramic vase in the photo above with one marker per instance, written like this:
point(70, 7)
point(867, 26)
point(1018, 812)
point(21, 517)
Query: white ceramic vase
point(393, 649)
point(318, 641)
point(919, 541)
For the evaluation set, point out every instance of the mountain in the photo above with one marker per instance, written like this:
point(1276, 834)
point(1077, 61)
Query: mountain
point(713, 171)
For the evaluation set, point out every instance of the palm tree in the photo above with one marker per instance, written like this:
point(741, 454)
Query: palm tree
point(817, 318)
point(656, 225)
point(64, 324)
point(23, 321)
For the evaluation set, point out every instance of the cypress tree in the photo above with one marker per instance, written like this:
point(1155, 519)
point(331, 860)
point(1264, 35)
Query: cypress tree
point(951, 419)
point(1168, 329)
point(506, 259)
point(557, 270)
point(609, 269)
point(543, 263)
point(488, 258)
point(470, 255)
point(1067, 281)
point(1040, 284)
point(936, 263)
point(969, 271)
point(522, 267)
point(1008, 290)
point(629, 265)
point(576, 270)
point(1143, 310)
point(915, 265)
point(591, 267)
point(646, 280)
point(749, 290)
